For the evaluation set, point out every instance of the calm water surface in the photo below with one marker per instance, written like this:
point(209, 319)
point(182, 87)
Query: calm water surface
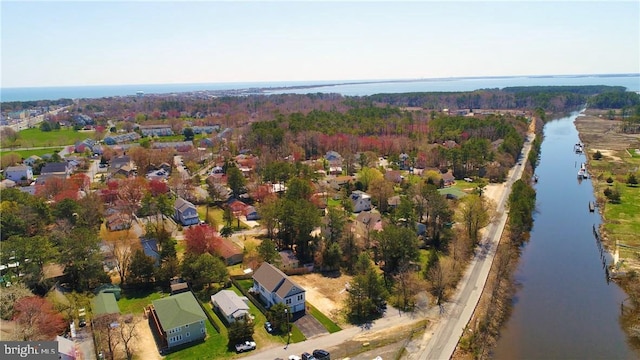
point(565, 309)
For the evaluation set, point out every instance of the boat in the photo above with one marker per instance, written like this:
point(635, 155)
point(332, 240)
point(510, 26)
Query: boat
point(582, 174)
point(578, 148)
point(592, 206)
point(535, 178)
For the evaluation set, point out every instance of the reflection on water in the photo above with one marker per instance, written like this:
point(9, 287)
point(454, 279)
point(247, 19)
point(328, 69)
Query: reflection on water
point(566, 308)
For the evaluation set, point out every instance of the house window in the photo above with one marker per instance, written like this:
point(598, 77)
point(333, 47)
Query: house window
point(188, 334)
point(288, 301)
point(201, 322)
point(186, 326)
point(299, 297)
point(202, 330)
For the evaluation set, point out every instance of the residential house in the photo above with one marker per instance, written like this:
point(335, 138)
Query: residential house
point(150, 248)
point(288, 260)
point(394, 201)
point(229, 251)
point(333, 157)
point(32, 160)
point(156, 130)
point(126, 171)
point(367, 222)
point(274, 287)
point(82, 120)
point(361, 201)
point(179, 319)
point(104, 304)
point(448, 178)
point(394, 176)
point(118, 221)
point(120, 161)
point(237, 207)
point(230, 306)
point(251, 213)
point(186, 213)
point(57, 169)
point(20, 174)
point(121, 138)
point(205, 129)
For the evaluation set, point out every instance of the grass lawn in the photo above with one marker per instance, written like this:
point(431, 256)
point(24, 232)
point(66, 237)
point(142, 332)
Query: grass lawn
point(325, 321)
point(214, 347)
point(134, 301)
point(296, 334)
point(36, 138)
point(622, 222)
point(26, 153)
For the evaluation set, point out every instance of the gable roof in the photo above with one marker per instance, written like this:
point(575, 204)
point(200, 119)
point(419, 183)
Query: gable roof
point(50, 168)
point(227, 248)
point(17, 168)
point(230, 303)
point(105, 303)
point(288, 287)
point(274, 280)
point(178, 310)
point(182, 205)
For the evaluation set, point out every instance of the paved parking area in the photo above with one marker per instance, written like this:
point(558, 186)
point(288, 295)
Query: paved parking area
point(309, 326)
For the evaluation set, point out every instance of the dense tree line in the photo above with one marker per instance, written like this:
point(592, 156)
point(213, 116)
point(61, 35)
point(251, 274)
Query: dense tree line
point(614, 100)
point(522, 202)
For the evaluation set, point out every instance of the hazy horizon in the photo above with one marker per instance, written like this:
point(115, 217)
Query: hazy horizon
point(340, 81)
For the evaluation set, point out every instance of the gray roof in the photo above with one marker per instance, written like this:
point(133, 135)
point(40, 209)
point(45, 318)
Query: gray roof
point(178, 310)
point(17, 168)
point(50, 168)
point(230, 303)
point(274, 280)
point(181, 205)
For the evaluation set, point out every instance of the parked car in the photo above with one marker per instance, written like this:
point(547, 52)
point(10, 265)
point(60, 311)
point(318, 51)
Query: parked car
point(245, 346)
point(320, 354)
point(267, 326)
point(307, 356)
point(294, 357)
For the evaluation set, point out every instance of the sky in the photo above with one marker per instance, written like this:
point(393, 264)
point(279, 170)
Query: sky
point(53, 43)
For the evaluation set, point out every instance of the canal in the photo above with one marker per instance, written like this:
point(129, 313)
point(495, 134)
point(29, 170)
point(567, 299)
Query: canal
point(564, 307)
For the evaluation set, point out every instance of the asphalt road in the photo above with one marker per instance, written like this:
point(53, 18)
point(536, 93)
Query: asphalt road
point(441, 342)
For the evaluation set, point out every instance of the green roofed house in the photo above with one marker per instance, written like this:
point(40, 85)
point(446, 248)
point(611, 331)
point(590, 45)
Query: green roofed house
point(179, 319)
point(104, 304)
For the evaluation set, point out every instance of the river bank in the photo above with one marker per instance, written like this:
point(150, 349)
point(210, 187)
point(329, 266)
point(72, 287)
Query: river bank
point(621, 220)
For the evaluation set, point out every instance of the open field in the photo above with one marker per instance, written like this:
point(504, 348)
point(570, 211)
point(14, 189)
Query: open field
point(327, 294)
point(36, 138)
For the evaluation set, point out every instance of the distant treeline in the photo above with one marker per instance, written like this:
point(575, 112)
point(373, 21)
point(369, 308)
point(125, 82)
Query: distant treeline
point(24, 105)
point(549, 98)
point(614, 100)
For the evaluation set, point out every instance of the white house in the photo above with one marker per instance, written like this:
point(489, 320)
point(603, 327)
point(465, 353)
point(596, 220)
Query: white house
point(186, 212)
point(231, 306)
point(361, 201)
point(275, 287)
point(19, 174)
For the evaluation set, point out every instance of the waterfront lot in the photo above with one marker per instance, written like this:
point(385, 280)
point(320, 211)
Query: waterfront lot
point(622, 222)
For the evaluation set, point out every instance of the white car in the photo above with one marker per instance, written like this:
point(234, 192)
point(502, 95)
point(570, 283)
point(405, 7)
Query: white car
point(294, 357)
